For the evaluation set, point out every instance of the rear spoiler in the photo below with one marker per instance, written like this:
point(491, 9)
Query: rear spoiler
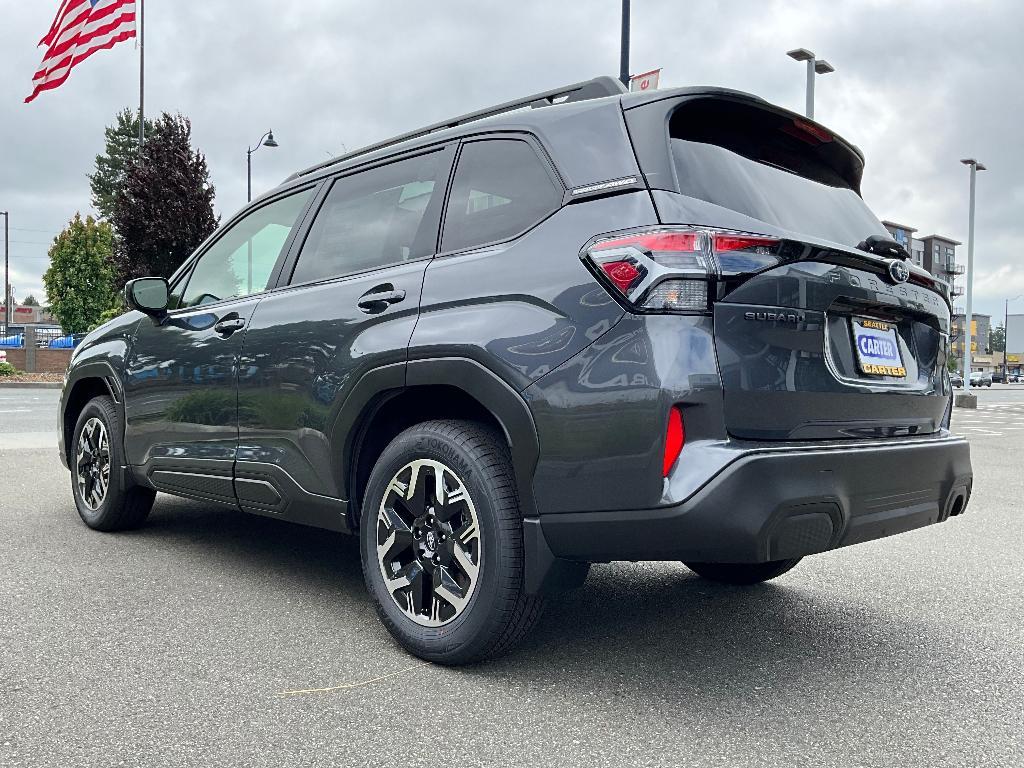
point(648, 115)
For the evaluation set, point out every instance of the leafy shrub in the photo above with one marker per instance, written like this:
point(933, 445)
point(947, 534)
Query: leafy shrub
point(6, 369)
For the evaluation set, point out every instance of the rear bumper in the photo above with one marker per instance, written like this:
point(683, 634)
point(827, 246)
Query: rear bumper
point(771, 504)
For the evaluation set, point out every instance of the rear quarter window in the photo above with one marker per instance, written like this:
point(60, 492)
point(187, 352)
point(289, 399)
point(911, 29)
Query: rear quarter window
point(501, 189)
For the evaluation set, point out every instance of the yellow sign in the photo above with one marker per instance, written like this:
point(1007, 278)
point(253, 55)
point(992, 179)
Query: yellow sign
point(1013, 358)
point(884, 370)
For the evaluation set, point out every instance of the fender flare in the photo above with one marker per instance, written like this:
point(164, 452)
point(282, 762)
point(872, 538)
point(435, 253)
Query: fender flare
point(506, 405)
point(99, 370)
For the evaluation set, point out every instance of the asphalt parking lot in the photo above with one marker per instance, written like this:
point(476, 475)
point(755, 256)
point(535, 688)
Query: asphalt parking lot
point(174, 645)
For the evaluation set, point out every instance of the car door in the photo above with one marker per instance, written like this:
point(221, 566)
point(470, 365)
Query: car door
point(181, 416)
point(347, 305)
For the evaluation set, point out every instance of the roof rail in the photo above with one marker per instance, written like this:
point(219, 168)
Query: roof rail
point(588, 89)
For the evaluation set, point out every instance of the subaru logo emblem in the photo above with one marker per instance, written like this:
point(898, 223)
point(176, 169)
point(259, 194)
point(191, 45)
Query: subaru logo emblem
point(899, 271)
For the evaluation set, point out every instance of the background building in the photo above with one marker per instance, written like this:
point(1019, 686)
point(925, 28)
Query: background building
point(1015, 343)
point(936, 253)
point(22, 315)
point(981, 327)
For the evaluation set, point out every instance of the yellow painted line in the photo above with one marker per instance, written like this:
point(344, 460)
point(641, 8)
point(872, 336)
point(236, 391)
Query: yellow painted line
point(350, 686)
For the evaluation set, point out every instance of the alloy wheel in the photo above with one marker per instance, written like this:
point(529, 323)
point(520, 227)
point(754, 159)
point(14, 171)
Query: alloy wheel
point(93, 463)
point(428, 542)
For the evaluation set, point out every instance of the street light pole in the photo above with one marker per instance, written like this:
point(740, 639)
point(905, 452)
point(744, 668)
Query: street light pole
point(968, 316)
point(269, 136)
point(624, 46)
point(815, 66)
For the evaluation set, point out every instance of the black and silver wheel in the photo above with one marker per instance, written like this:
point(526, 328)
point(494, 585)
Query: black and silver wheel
point(104, 499)
point(743, 573)
point(92, 464)
point(442, 543)
point(428, 542)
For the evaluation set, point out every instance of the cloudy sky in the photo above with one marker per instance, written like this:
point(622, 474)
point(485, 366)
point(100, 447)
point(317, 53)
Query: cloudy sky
point(918, 85)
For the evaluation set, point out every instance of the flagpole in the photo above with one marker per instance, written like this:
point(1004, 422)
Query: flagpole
point(142, 77)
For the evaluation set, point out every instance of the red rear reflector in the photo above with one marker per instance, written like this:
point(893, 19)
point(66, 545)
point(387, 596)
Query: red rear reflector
point(675, 436)
point(725, 243)
point(656, 241)
point(622, 273)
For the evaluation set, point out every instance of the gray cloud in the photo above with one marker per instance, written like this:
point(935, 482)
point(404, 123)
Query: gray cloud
point(918, 86)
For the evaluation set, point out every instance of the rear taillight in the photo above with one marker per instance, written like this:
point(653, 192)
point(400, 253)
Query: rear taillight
point(675, 270)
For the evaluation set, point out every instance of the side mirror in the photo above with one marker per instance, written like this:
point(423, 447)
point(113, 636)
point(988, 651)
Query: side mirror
point(147, 294)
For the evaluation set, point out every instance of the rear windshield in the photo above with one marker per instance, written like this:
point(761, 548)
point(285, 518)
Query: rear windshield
point(783, 171)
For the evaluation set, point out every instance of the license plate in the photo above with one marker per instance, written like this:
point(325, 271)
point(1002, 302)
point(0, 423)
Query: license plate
point(878, 350)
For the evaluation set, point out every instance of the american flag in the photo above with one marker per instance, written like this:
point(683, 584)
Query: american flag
point(81, 28)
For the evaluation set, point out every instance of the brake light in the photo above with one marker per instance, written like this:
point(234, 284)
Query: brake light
point(675, 270)
point(725, 243)
point(675, 436)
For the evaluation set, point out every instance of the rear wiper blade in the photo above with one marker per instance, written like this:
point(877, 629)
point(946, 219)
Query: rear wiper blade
point(884, 246)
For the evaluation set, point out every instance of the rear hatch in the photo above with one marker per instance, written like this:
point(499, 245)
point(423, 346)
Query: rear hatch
point(823, 329)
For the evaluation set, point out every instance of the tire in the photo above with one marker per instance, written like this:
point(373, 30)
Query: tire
point(118, 507)
point(489, 612)
point(742, 573)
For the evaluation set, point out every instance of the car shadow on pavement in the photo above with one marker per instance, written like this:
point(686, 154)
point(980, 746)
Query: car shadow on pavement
point(299, 555)
point(649, 631)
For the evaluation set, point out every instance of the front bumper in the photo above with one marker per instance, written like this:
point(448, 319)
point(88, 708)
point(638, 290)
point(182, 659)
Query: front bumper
point(777, 503)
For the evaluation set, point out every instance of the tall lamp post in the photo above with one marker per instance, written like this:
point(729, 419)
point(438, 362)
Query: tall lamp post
point(814, 67)
point(266, 140)
point(968, 316)
point(1006, 335)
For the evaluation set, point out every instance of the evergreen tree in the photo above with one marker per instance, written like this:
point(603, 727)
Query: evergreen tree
point(122, 150)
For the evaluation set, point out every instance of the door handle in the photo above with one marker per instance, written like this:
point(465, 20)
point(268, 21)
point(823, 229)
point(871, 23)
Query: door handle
point(380, 298)
point(229, 326)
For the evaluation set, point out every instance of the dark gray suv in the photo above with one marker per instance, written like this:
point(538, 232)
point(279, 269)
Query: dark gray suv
point(580, 327)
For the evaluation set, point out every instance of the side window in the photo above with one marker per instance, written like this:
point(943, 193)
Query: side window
point(373, 218)
point(241, 261)
point(501, 188)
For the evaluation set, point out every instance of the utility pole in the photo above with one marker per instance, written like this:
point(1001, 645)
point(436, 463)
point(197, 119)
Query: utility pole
point(966, 399)
point(7, 274)
point(624, 47)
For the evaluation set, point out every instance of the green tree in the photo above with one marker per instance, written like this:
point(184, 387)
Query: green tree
point(30, 301)
point(80, 278)
point(997, 339)
point(122, 150)
point(164, 207)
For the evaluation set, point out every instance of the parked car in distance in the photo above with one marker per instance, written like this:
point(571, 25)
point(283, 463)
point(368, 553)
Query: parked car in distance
point(956, 380)
point(584, 326)
point(997, 377)
point(979, 379)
